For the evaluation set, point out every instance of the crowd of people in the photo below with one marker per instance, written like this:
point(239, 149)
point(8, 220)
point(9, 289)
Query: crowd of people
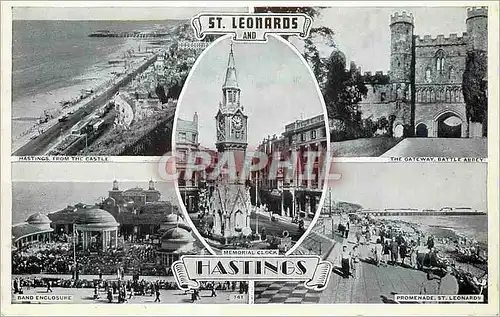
point(405, 244)
point(58, 258)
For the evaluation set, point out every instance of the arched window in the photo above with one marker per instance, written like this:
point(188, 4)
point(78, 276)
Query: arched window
point(440, 61)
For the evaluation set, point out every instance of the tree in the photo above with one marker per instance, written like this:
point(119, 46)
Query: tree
point(474, 87)
point(343, 89)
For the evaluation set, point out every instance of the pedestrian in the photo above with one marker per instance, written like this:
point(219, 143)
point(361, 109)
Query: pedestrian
point(354, 261)
point(213, 291)
point(96, 292)
point(358, 236)
point(100, 275)
point(345, 260)
point(378, 252)
point(110, 295)
point(193, 296)
point(387, 252)
point(131, 292)
point(403, 249)
point(346, 230)
point(157, 292)
point(430, 242)
point(16, 286)
point(394, 251)
point(49, 287)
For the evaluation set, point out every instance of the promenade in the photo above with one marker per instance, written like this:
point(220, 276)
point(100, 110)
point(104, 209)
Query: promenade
point(369, 284)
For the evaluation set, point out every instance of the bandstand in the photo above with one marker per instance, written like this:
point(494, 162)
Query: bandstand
point(97, 229)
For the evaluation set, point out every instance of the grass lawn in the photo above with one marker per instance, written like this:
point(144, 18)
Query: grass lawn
point(367, 147)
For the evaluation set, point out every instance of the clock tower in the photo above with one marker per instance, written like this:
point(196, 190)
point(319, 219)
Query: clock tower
point(231, 122)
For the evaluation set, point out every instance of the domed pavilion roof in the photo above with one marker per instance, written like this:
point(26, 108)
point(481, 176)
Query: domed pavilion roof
point(178, 234)
point(174, 220)
point(38, 218)
point(95, 216)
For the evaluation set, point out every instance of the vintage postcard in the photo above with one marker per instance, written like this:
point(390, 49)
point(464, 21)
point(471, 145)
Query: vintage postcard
point(167, 158)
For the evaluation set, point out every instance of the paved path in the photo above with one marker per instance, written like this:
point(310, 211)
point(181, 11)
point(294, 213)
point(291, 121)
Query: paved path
point(367, 287)
point(439, 147)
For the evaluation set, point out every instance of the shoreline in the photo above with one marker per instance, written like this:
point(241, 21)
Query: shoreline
point(25, 120)
point(445, 242)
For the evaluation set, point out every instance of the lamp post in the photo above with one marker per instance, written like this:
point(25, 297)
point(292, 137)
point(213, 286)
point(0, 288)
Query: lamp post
point(75, 237)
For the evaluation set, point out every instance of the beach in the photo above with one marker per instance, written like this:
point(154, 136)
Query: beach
point(55, 62)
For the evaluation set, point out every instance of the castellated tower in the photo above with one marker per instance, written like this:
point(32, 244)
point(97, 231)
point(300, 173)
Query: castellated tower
point(401, 54)
point(477, 29)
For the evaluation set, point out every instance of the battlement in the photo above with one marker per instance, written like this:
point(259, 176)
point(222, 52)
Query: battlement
point(474, 12)
point(453, 39)
point(378, 78)
point(402, 17)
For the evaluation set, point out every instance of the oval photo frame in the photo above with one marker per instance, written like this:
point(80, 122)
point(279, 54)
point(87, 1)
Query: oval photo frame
point(229, 102)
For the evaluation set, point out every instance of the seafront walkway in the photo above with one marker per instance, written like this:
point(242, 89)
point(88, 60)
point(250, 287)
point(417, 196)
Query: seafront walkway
point(369, 284)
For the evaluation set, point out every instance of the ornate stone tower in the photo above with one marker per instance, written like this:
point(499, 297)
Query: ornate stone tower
point(401, 54)
point(229, 205)
point(402, 68)
point(231, 122)
point(477, 29)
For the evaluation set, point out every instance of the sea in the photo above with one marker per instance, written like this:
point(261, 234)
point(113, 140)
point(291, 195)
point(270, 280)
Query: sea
point(47, 197)
point(48, 55)
point(473, 227)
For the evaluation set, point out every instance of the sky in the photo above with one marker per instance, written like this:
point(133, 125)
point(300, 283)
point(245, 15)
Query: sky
point(363, 34)
point(112, 13)
point(276, 89)
point(411, 185)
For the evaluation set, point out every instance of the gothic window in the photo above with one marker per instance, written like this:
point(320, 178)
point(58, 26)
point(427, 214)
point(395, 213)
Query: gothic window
point(428, 75)
point(440, 61)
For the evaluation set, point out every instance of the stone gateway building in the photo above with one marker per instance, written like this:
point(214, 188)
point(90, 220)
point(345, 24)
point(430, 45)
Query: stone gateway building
point(422, 94)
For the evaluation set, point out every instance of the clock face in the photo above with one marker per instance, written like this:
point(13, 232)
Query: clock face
point(237, 122)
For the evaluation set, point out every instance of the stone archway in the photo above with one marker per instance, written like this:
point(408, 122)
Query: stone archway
point(449, 125)
point(421, 131)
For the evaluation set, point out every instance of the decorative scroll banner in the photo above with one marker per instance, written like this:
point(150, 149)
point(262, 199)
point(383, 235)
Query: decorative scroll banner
point(251, 27)
point(191, 269)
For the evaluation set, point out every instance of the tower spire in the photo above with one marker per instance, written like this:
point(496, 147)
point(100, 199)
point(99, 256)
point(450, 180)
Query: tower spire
point(231, 80)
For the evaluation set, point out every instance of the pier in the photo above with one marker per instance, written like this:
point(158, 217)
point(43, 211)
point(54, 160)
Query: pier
point(128, 34)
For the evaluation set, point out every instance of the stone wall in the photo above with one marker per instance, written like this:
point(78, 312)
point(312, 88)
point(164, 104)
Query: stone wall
point(427, 53)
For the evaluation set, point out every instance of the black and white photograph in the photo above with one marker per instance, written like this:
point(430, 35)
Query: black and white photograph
point(401, 81)
point(104, 241)
point(217, 158)
point(241, 99)
point(386, 238)
point(99, 81)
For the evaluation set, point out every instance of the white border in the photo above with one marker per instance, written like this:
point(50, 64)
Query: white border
point(491, 309)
